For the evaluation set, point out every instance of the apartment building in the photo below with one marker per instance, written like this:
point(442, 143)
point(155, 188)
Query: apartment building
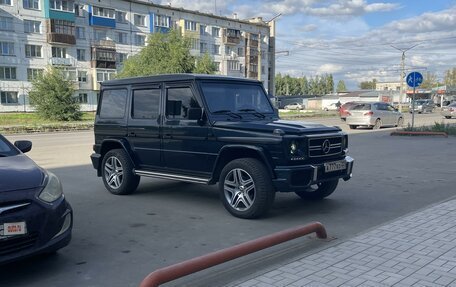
point(90, 39)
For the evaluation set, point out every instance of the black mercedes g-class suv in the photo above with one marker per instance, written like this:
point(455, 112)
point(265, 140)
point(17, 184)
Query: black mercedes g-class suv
point(213, 129)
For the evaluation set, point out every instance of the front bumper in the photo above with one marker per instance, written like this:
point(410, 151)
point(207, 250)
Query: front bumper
point(298, 178)
point(48, 229)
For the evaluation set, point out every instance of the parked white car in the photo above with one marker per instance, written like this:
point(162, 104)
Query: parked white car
point(294, 106)
point(374, 115)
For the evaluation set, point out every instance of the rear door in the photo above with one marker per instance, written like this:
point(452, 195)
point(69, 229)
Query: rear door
point(144, 126)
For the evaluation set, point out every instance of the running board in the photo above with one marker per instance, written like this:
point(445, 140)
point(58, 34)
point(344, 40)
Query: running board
point(171, 176)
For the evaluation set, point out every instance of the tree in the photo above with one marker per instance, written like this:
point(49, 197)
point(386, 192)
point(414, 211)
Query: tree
point(329, 84)
point(304, 86)
point(164, 54)
point(450, 77)
point(341, 86)
point(429, 81)
point(205, 65)
point(368, 85)
point(52, 96)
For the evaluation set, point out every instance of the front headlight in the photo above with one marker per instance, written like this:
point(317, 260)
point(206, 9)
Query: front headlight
point(296, 150)
point(53, 189)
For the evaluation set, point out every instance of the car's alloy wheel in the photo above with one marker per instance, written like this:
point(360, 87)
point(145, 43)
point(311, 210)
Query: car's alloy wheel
point(117, 173)
point(319, 190)
point(246, 188)
point(378, 124)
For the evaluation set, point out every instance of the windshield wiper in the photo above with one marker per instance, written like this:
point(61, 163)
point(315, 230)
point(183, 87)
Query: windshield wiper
point(258, 114)
point(228, 112)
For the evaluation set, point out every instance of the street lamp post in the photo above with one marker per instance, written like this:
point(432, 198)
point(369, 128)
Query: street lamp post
point(403, 50)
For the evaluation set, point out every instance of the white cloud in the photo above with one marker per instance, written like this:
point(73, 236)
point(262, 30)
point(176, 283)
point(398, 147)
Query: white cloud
point(308, 28)
point(329, 69)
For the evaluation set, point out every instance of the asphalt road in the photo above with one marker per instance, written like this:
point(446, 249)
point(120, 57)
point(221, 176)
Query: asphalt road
point(117, 240)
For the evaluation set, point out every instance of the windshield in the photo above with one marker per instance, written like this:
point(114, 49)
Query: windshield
point(235, 97)
point(5, 148)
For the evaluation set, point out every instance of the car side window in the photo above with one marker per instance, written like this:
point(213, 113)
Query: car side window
point(178, 103)
point(113, 104)
point(146, 104)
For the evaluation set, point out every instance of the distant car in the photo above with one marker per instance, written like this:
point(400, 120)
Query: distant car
point(34, 215)
point(422, 106)
point(449, 111)
point(331, 107)
point(374, 115)
point(294, 106)
point(343, 110)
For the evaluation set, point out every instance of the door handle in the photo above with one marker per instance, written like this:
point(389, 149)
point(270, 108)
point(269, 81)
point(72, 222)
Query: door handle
point(131, 134)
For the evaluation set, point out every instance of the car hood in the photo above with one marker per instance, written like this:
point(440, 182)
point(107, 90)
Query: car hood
point(288, 127)
point(19, 172)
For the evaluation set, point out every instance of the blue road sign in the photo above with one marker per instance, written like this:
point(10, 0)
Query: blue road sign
point(414, 79)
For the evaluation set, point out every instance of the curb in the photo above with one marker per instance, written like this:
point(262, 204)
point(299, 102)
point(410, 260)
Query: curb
point(410, 133)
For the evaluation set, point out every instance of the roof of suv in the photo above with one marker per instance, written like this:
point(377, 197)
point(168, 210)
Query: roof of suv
point(172, 77)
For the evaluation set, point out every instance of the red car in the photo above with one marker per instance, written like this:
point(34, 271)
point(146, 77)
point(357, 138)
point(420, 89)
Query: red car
point(343, 110)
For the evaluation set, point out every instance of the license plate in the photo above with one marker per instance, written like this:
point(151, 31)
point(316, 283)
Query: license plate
point(335, 166)
point(14, 228)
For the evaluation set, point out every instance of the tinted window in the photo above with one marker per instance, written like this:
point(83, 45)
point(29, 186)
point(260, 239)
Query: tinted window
point(146, 104)
point(5, 149)
point(362, 107)
point(113, 104)
point(178, 102)
point(236, 97)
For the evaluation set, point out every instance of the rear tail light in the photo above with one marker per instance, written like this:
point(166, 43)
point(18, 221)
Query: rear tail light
point(452, 110)
point(369, 113)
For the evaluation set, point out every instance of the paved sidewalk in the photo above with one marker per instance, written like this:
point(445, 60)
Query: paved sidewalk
point(415, 250)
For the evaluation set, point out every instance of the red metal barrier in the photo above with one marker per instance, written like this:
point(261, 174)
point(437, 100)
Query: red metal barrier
point(190, 266)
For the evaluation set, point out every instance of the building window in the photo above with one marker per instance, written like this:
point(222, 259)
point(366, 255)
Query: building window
point(203, 30)
point(8, 97)
point(105, 75)
point(263, 71)
point(190, 25)
point(69, 74)
point(32, 51)
point(121, 17)
point(140, 40)
point(6, 48)
point(62, 27)
point(217, 66)
point(7, 73)
point(194, 44)
point(80, 33)
point(81, 54)
point(216, 49)
point(31, 4)
point(103, 12)
point(58, 52)
point(82, 76)
point(241, 52)
point(233, 66)
point(62, 5)
point(215, 32)
point(121, 37)
point(6, 23)
point(203, 47)
point(140, 20)
point(162, 21)
point(82, 98)
point(121, 57)
point(79, 10)
point(5, 2)
point(228, 50)
point(32, 26)
point(99, 34)
point(32, 74)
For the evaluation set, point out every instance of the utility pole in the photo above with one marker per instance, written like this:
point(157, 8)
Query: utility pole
point(403, 50)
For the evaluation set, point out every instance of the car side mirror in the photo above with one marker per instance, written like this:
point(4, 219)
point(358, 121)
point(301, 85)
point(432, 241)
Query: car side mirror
point(195, 113)
point(23, 146)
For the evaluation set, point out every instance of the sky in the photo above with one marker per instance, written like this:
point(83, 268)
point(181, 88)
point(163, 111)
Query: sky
point(354, 40)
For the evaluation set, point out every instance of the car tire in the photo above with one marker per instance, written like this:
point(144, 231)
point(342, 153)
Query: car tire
point(378, 124)
point(245, 188)
point(352, 127)
point(319, 191)
point(117, 173)
point(447, 117)
point(400, 122)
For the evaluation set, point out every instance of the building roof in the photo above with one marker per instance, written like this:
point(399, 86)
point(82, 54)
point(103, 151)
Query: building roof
point(173, 77)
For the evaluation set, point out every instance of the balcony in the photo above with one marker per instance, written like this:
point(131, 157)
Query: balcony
point(231, 37)
point(109, 44)
point(61, 61)
point(56, 38)
point(252, 43)
point(253, 75)
point(103, 57)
